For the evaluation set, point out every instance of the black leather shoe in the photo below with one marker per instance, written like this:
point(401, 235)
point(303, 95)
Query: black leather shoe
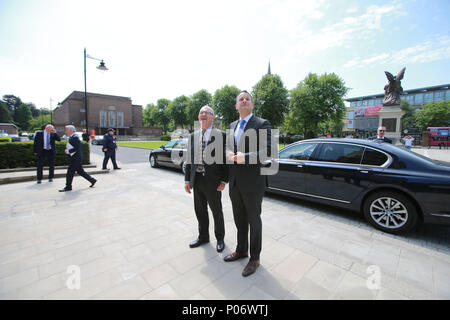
point(92, 184)
point(117, 168)
point(39, 182)
point(50, 180)
point(65, 190)
point(198, 242)
point(220, 246)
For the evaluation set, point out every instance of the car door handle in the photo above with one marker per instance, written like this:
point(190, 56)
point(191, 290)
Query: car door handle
point(364, 170)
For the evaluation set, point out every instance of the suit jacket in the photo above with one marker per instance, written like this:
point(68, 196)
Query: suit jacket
point(214, 173)
point(77, 157)
point(38, 146)
point(375, 138)
point(109, 142)
point(248, 176)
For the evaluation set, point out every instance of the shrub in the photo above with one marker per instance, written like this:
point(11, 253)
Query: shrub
point(20, 154)
point(166, 138)
point(5, 139)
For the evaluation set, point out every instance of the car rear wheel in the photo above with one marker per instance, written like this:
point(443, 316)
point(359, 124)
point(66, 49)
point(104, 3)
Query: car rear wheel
point(390, 212)
point(153, 161)
point(183, 167)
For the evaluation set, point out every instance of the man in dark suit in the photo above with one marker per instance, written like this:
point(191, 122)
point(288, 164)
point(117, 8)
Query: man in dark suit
point(380, 136)
point(247, 184)
point(75, 157)
point(44, 147)
point(206, 172)
point(109, 149)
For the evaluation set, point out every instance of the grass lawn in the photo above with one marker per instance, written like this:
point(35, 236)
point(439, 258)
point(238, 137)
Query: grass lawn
point(155, 144)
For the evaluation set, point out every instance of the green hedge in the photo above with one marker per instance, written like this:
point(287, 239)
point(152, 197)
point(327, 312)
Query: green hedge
point(166, 138)
point(5, 139)
point(20, 154)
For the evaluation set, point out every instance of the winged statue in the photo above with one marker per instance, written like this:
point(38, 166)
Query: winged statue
point(393, 89)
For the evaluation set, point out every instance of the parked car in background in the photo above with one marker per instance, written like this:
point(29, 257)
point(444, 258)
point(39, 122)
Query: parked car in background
point(97, 140)
point(391, 186)
point(78, 133)
point(14, 137)
point(163, 155)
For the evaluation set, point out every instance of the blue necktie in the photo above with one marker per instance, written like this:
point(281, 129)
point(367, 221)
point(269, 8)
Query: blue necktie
point(47, 137)
point(240, 130)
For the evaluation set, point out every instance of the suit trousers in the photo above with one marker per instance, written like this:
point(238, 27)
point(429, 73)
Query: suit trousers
point(110, 154)
point(202, 197)
point(247, 215)
point(78, 168)
point(50, 155)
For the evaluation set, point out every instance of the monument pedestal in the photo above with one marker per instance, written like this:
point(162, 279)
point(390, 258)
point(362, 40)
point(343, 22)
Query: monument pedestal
point(391, 117)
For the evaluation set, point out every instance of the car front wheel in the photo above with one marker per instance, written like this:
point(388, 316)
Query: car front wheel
point(153, 161)
point(390, 212)
point(183, 167)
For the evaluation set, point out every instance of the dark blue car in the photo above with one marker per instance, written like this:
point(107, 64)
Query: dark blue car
point(394, 188)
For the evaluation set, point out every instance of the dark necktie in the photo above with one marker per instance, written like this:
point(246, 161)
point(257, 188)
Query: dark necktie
point(201, 167)
point(47, 138)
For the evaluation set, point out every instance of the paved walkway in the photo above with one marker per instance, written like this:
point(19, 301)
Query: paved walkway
point(129, 236)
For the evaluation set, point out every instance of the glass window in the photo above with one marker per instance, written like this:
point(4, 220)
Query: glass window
point(428, 97)
point(410, 99)
point(364, 103)
point(374, 158)
point(103, 118)
point(301, 151)
point(339, 152)
point(170, 144)
point(182, 144)
point(439, 96)
point(112, 119)
point(419, 98)
point(352, 104)
point(120, 119)
point(447, 95)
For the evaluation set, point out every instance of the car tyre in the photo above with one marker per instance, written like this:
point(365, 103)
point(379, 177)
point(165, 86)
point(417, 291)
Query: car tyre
point(390, 211)
point(183, 167)
point(153, 161)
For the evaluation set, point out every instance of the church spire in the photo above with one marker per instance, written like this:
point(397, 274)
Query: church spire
point(268, 71)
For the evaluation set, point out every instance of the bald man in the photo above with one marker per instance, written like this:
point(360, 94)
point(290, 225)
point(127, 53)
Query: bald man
point(207, 175)
point(44, 147)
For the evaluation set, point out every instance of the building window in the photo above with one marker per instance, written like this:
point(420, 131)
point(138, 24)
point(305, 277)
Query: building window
point(371, 102)
point(352, 104)
point(364, 103)
point(439, 96)
point(378, 101)
point(447, 95)
point(112, 119)
point(410, 99)
point(428, 97)
point(82, 110)
point(419, 98)
point(120, 119)
point(83, 122)
point(103, 118)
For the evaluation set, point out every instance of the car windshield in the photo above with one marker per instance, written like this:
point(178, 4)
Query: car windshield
point(170, 144)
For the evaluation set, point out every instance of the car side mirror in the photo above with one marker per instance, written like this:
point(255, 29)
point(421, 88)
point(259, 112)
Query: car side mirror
point(163, 147)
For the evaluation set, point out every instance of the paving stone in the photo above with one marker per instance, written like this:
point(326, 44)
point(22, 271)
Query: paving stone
point(127, 290)
point(165, 292)
point(308, 289)
point(18, 280)
point(160, 275)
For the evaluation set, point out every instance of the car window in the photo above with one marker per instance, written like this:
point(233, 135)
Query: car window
point(182, 144)
point(374, 158)
point(340, 152)
point(301, 151)
point(170, 144)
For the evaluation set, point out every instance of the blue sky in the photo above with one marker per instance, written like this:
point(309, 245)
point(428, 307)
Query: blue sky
point(164, 49)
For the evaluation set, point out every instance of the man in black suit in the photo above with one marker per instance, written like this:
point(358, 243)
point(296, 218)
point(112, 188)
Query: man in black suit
point(380, 136)
point(247, 184)
point(109, 149)
point(75, 157)
point(44, 147)
point(206, 172)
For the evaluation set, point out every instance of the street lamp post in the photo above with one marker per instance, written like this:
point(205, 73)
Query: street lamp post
point(102, 67)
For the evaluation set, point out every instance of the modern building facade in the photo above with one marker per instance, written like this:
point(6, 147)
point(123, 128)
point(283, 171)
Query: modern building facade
point(362, 114)
point(104, 111)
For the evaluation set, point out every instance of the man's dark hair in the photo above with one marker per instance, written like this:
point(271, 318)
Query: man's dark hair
point(245, 91)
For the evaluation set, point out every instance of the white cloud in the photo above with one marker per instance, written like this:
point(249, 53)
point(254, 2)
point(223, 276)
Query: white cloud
point(427, 51)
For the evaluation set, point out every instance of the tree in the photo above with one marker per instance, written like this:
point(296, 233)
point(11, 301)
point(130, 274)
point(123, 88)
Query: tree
point(224, 104)
point(23, 116)
point(5, 115)
point(433, 114)
point(35, 112)
point(271, 99)
point(315, 100)
point(36, 123)
point(160, 114)
point(178, 111)
point(198, 100)
point(147, 115)
point(13, 103)
point(408, 119)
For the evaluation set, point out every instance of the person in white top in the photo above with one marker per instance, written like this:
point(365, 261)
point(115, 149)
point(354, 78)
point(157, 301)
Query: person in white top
point(408, 142)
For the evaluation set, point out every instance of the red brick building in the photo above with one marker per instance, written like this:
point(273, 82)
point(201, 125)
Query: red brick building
point(104, 111)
